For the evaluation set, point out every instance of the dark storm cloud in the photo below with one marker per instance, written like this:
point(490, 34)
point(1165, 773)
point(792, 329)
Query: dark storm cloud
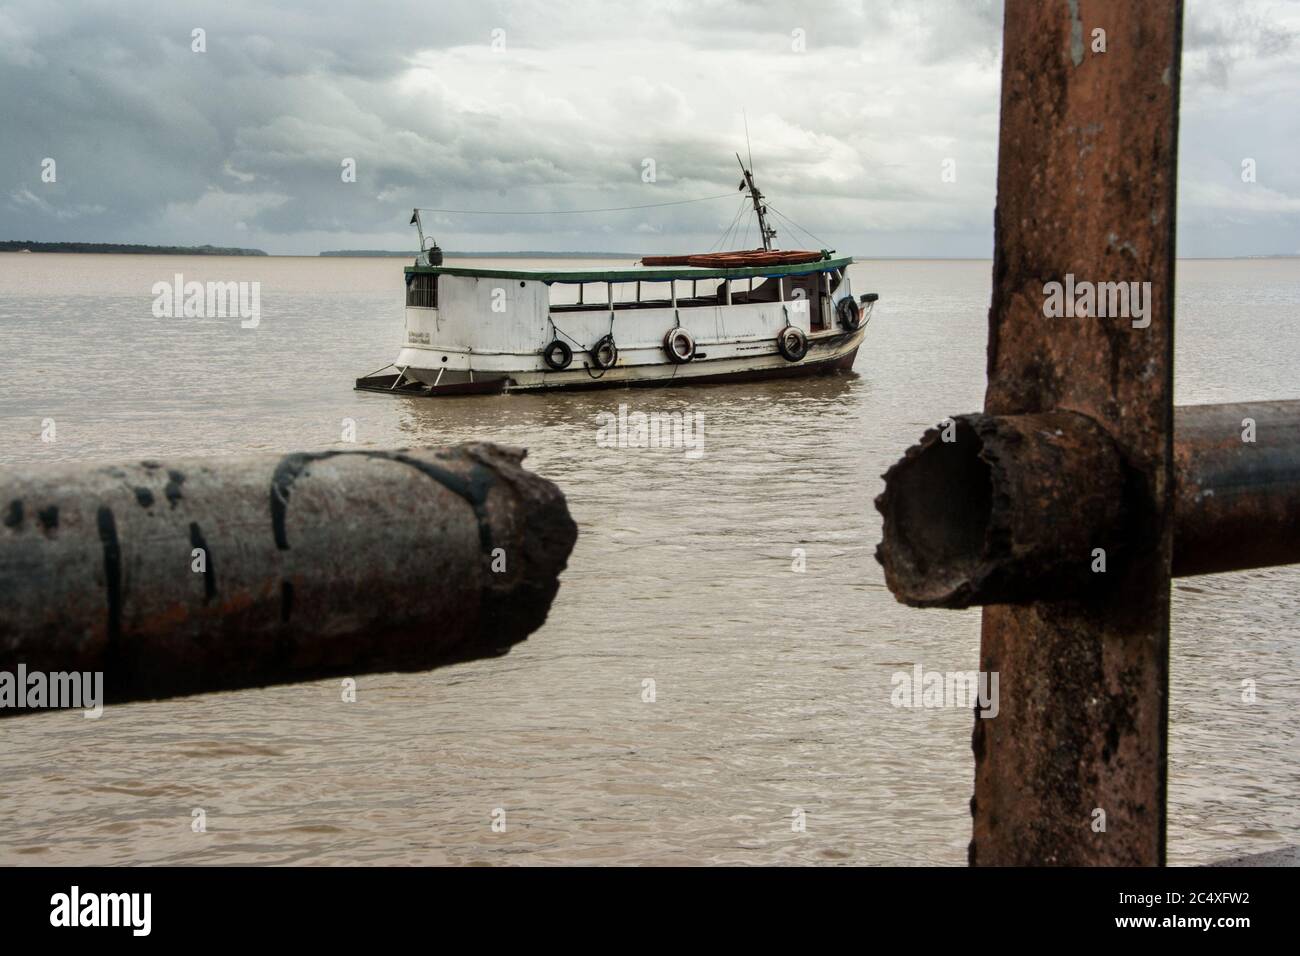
point(136, 120)
point(851, 107)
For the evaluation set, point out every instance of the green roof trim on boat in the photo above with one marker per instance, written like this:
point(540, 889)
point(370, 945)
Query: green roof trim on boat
point(641, 274)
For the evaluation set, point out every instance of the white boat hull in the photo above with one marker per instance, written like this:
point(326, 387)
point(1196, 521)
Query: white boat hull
point(731, 361)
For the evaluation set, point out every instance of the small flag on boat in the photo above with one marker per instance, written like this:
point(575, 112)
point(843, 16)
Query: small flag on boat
point(415, 214)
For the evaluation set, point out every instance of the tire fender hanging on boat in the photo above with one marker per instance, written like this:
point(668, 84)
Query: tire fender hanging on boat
point(850, 313)
point(680, 345)
point(557, 355)
point(792, 343)
point(604, 353)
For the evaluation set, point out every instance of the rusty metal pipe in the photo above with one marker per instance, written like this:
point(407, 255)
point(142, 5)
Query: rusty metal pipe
point(1237, 496)
point(1013, 508)
point(1000, 509)
point(180, 577)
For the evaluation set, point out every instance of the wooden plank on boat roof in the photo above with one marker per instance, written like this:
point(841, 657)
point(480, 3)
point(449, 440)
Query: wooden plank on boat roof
point(642, 274)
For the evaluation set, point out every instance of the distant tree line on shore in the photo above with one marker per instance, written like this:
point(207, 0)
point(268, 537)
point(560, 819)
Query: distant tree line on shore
point(19, 246)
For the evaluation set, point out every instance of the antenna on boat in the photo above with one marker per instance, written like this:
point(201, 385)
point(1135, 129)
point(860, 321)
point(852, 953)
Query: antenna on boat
point(749, 150)
point(766, 232)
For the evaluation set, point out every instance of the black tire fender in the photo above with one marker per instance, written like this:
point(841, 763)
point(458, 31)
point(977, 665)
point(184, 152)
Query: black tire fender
point(792, 343)
point(849, 313)
point(557, 355)
point(679, 345)
point(604, 354)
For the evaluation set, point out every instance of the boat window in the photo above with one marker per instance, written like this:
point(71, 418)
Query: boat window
point(788, 289)
point(698, 293)
point(624, 294)
point(421, 291)
point(655, 294)
point(565, 293)
point(651, 293)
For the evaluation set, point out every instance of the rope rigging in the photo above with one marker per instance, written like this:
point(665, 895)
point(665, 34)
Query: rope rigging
point(568, 212)
point(785, 218)
point(733, 230)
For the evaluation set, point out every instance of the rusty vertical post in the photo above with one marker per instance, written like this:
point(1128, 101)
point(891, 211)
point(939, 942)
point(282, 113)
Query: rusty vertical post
point(1086, 187)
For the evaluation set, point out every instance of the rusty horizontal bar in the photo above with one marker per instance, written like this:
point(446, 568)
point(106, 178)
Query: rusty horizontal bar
point(999, 509)
point(1015, 508)
point(1237, 496)
point(185, 576)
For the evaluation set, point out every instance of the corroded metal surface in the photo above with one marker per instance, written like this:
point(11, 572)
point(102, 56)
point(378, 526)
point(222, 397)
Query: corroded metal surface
point(1012, 508)
point(1001, 509)
point(1086, 192)
point(312, 564)
point(1237, 503)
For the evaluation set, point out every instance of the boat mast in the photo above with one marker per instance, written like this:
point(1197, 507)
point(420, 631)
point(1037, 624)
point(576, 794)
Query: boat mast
point(764, 230)
point(415, 221)
point(433, 255)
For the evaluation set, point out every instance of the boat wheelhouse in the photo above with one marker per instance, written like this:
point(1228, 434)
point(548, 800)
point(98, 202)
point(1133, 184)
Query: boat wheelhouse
point(687, 319)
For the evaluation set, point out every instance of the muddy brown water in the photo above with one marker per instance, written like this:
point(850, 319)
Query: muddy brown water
point(772, 688)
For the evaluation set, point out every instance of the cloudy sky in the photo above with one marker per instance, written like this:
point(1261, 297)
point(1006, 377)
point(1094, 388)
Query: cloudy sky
point(852, 109)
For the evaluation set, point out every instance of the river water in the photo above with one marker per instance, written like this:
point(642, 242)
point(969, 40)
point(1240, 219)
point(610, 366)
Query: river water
point(771, 687)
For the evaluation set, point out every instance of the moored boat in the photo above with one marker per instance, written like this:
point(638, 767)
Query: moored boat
point(710, 317)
